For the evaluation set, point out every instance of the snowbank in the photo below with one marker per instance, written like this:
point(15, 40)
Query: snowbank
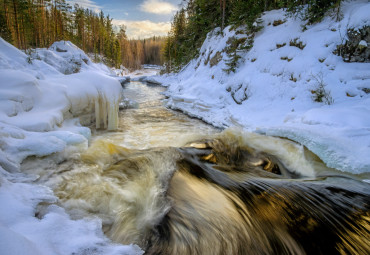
point(48, 232)
point(41, 112)
point(274, 87)
point(36, 99)
point(67, 58)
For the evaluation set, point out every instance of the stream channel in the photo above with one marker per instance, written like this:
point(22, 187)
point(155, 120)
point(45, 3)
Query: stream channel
point(175, 185)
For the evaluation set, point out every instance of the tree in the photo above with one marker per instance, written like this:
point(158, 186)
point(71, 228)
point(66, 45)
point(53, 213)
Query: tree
point(198, 17)
point(4, 23)
point(223, 7)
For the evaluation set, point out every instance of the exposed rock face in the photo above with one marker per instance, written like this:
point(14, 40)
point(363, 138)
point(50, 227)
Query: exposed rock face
point(357, 47)
point(216, 59)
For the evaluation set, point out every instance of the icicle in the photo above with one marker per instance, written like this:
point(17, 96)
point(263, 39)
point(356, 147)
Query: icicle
point(113, 115)
point(104, 116)
point(101, 111)
point(97, 111)
point(106, 112)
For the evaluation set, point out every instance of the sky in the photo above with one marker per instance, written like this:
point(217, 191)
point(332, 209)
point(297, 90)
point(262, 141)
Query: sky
point(142, 18)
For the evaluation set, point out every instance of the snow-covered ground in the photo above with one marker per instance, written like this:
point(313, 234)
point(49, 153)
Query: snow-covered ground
point(44, 98)
point(272, 91)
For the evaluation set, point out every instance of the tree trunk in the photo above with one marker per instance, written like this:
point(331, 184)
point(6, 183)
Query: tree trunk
point(16, 23)
point(23, 35)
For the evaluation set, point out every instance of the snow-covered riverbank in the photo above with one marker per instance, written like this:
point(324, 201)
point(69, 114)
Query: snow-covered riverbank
point(44, 98)
point(274, 88)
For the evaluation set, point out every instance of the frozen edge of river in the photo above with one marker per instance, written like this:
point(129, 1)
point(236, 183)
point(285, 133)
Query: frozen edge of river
point(40, 114)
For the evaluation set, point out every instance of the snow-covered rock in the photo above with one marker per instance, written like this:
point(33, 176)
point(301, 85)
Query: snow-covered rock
point(124, 79)
point(151, 81)
point(67, 58)
point(278, 82)
point(41, 112)
point(36, 100)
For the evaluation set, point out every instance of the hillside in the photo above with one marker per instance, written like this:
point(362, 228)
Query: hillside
point(288, 84)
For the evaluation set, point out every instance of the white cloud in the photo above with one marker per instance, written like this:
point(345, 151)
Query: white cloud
point(157, 7)
point(86, 4)
point(144, 28)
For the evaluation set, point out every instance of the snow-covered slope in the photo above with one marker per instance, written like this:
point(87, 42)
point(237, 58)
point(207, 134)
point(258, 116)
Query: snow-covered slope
point(274, 88)
point(41, 112)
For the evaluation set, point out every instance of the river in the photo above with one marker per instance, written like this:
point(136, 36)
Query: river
point(175, 185)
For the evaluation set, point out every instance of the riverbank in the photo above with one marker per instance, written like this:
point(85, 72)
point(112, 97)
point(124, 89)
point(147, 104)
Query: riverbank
point(289, 84)
point(45, 98)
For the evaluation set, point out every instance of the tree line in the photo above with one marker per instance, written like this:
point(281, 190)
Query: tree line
point(39, 23)
point(134, 53)
point(196, 18)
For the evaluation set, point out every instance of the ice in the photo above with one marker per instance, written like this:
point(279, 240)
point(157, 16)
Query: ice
point(42, 111)
point(35, 98)
point(128, 103)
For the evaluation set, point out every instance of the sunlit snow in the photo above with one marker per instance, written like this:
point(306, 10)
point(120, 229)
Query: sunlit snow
point(279, 79)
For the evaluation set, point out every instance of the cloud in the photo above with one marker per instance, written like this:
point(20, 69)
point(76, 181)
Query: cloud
point(157, 7)
point(144, 28)
point(86, 4)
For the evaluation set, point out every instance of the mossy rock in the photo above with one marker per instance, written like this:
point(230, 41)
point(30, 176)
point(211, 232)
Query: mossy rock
point(215, 59)
point(357, 47)
point(278, 22)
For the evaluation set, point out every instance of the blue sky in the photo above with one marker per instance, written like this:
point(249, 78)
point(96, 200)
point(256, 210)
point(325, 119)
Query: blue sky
point(143, 18)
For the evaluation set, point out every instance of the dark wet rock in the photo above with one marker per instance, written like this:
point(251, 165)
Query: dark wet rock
point(357, 47)
point(125, 79)
point(278, 22)
point(366, 90)
point(60, 50)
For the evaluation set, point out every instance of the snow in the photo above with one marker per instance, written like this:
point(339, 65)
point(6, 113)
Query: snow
point(52, 232)
point(45, 99)
point(67, 58)
point(363, 43)
point(273, 89)
point(36, 100)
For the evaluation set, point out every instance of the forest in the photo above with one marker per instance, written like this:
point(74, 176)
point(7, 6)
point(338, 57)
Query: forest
point(196, 18)
point(38, 23)
point(31, 24)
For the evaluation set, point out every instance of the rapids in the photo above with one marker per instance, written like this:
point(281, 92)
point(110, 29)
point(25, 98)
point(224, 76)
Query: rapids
point(175, 185)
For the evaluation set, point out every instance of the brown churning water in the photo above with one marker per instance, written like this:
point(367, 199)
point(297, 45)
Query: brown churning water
point(218, 196)
point(228, 193)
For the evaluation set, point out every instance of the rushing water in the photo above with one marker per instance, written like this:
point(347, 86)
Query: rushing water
point(174, 185)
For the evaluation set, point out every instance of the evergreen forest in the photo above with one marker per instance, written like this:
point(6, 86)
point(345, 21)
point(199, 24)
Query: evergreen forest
point(196, 18)
point(39, 23)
